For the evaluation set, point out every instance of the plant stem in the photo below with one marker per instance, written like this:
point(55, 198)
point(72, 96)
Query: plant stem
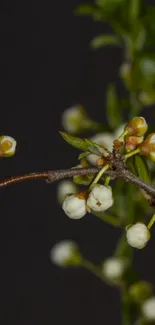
point(121, 137)
point(126, 314)
point(152, 221)
point(94, 269)
point(99, 175)
point(132, 153)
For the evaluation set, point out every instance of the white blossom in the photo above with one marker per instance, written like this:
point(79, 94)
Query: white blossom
point(75, 206)
point(100, 198)
point(113, 268)
point(148, 309)
point(137, 235)
point(71, 119)
point(64, 189)
point(103, 139)
point(62, 252)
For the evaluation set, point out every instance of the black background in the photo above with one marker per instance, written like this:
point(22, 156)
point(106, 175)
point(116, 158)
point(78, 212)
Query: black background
point(46, 66)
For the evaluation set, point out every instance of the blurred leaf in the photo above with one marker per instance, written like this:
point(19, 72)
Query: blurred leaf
point(134, 9)
point(138, 37)
point(86, 9)
point(79, 143)
point(103, 40)
point(107, 217)
point(141, 168)
point(112, 105)
point(130, 165)
point(109, 4)
point(83, 155)
point(149, 18)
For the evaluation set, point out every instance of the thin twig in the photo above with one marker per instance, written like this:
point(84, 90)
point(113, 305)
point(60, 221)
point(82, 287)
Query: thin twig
point(53, 176)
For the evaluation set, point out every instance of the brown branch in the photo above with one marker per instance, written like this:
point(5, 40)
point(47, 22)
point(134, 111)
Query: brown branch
point(53, 176)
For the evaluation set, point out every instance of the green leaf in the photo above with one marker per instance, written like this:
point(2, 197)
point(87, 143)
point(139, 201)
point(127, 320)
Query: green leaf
point(113, 110)
point(103, 40)
point(79, 143)
point(83, 155)
point(141, 168)
point(109, 4)
point(138, 37)
point(85, 9)
point(107, 217)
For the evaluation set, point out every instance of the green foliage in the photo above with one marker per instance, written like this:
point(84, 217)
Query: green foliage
point(104, 40)
point(133, 29)
point(79, 143)
point(113, 109)
point(141, 168)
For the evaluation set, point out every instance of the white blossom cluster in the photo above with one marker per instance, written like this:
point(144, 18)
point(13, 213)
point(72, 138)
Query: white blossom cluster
point(98, 199)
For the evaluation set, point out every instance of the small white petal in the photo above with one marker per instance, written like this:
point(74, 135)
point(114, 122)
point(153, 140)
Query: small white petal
point(64, 189)
point(100, 198)
point(74, 207)
point(62, 252)
point(138, 235)
point(148, 309)
point(113, 268)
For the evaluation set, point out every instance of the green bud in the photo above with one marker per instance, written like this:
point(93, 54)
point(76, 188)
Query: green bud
point(140, 291)
point(136, 127)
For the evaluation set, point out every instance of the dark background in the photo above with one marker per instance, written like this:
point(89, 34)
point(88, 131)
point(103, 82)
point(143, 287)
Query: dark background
point(46, 66)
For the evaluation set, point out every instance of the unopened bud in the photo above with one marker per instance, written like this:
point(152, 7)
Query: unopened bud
point(147, 99)
point(138, 235)
point(74, 119)
point(148, 309)
point(137, 126)
point(75, 205)
point(113, 268)
point(147, 147)
point(140, 291)
point(100, 198)
point(132, 141)
point(65, 253)
point(125, 73)
point(7, 146)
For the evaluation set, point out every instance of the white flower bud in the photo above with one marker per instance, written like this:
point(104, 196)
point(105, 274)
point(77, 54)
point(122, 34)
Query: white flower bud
point(138, 235)
point(113, 268)
point(64, 189)
point(72, 118)
point(100, 198)
point(148, 309)
point(62, 252)
point(7, 146)
point(103, 139)
point(75, 206)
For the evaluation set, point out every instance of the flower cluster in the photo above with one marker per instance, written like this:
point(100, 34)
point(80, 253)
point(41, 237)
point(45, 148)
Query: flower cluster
point(98, 199)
